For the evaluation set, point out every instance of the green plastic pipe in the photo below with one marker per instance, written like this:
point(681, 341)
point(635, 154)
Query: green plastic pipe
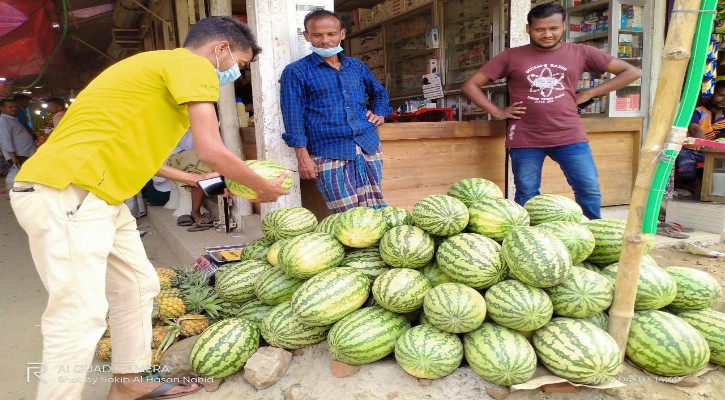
point(673, 143)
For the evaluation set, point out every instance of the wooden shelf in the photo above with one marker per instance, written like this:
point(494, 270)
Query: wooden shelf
point(631, 32)
point(476, 40)
point(591, 36)
point(465, 68)
point(368, 50)
point(419, 54)
point(466, 18)
point(598, 5)
point(399, 17)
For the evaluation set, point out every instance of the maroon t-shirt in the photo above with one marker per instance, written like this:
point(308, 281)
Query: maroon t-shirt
point(546, 82)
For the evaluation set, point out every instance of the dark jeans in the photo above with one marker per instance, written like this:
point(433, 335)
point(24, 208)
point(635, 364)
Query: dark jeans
point(577, 163)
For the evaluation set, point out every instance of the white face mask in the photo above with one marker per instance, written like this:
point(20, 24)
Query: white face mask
point(231, 74)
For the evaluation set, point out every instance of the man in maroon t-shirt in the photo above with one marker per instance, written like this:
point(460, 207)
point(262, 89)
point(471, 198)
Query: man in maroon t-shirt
point(543, 119)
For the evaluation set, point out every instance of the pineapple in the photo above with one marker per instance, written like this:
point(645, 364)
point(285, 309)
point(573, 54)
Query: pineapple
point(202, 299)
point(164, 282)
point(107, 333)
point(167, 272)
point(158, 335)
point(192, 324)
point(103, 349)
point(173, 292)
point(170, 307)
point(185, 274)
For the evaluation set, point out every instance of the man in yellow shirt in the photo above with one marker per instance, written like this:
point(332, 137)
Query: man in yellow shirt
point(69, 200)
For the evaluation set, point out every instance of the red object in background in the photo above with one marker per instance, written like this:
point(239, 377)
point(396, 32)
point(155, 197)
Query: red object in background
point(425, 115)
point(27, 36)
point(703, 144)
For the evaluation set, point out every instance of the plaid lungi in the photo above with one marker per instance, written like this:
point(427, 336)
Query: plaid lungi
point(346, 184)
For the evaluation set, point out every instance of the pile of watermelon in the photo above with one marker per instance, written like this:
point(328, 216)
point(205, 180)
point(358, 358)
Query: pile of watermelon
point(466, 275)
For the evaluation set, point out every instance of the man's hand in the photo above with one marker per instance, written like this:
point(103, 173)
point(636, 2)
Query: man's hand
point(375, 119)
point(272, 190)
point(514, 111)
point(305, 164)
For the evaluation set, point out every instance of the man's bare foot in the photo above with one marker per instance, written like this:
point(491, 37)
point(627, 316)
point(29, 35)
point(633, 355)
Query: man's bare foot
point(202, 219)
point(133, 386)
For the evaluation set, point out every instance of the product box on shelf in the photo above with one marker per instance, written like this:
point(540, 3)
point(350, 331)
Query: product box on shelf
point(432, 39)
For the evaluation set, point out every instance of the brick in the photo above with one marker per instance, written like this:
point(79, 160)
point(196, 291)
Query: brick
point(342, 370)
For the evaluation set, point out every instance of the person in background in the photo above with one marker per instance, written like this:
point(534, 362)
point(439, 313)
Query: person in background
point(56, 106)
point(243, 90)
point(69, 198)
point(327, 122)
point(16, 143)
point(542, 116)
point(23, 113)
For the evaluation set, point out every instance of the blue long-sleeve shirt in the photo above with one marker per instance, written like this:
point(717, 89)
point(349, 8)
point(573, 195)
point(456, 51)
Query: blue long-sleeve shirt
point(324, 108)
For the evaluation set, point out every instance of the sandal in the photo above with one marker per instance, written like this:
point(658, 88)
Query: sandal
point(185, 220)
point(158, 393)
point(200, 227)
point(675, 225)
point(672, 232)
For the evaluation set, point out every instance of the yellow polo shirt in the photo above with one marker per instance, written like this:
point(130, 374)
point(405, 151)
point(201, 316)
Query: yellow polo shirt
point(124, 125)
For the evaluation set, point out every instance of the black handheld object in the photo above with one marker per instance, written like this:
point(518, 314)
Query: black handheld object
point(585, 104)
point(213, 186)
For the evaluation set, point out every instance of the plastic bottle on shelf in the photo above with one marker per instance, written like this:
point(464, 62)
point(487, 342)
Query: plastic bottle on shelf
point(242, 113)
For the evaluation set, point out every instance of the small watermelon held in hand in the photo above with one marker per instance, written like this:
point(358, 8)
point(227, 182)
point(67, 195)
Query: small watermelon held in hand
point(269, 170)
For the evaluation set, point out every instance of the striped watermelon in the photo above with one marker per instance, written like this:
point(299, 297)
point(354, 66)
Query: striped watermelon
point(472, 190)
point(576, 237)
point(281, 328)
point(237, 281)
point(288, 222)
point(577, 350)
point(396, 216)
point(472, 259)
point(536, 258)
point(273, 252)
point(406, 247)
point(366, 335)
point(330, 295)
point(429, 353)
point(655, 287)
point(327, 225)
point(257, 249)
point(368, 261)
point(582, 294)
point(665, 344)
point(268, 170)
point(589, 266)
point(608, 235)
point(553, 207)
point(400, 290)
point(308, 254)
point(695, 289)
point(600, 319)
point(230, 309)
point(711, 325)
point(515, 305)
point(495, 218)
point(454, 308)
point(253, 310)
point(273, 286)
point(360, 227)
point(434, 274)
point(499, 355)
point(224, 348)
point(440, 215)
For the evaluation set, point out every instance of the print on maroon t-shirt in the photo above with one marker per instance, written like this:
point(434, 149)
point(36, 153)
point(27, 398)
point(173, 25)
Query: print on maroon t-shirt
point(545, 81)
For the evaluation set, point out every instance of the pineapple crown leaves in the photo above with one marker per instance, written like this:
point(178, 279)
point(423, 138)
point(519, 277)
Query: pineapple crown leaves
point(203, 300)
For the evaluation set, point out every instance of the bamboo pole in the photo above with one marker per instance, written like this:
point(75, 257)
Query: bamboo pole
point(675, 58)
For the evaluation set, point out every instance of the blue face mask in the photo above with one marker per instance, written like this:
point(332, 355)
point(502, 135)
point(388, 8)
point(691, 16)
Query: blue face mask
point(230, 75)
point(326, 52)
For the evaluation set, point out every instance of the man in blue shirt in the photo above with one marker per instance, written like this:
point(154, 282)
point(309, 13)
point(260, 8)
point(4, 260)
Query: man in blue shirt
point(327, 121)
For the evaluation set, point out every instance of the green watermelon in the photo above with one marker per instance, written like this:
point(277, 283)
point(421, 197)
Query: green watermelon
point(576, 237)
point(330, 295)
point(515, 305)
point(366, 335)
point(360, 227)
point(711, 325)
point(281, 328)
point(695, 289)
point(400, 290)
point(665, 344)
point(327, 225)
point(553, 207)
point(434, 274)
point(608, 235)
point(472, 190)
point(396, 216)
point(273, 286)
point(223, 348)
point(582, 294)
point(308, 254)
point(427, 352)
point(440, 215)
point(268, 170)
point(454, 308)
point(589, 266)
point(499, 355)
point(253, 310)
point(257, 249)
point(472, 259)
point(600, 319)
point(577, 350)
point(655, 287)
point(406, 247)
point(367, 260)
point(495, 218)
point(288, 222)
point(236, 283)
point(536, 258)
point(273, 252)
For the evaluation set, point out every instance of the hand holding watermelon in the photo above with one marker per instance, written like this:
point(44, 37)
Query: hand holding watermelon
point(278, 180)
